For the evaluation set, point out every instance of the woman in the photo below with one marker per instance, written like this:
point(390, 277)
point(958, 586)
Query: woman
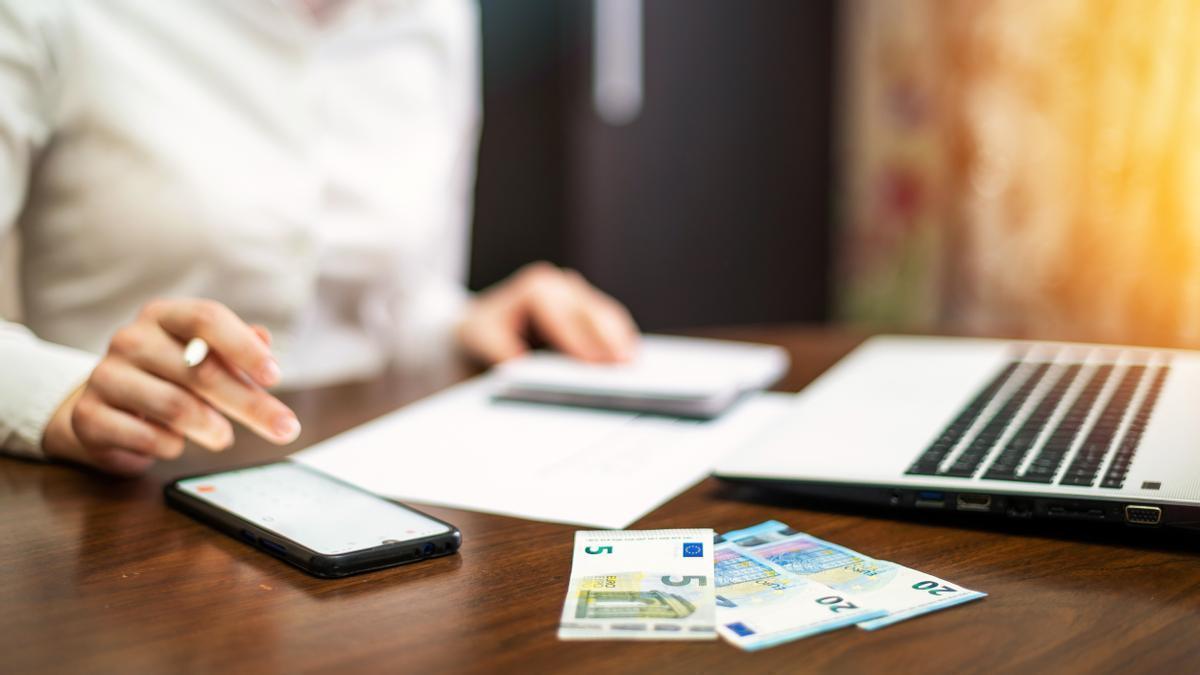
point(289, 180)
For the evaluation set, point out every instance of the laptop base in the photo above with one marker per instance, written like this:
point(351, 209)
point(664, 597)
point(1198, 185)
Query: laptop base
point(1139, 514)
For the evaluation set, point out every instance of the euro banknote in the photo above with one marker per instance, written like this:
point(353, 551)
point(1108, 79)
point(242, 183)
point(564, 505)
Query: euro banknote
point(760, 604)
point(902, 592)
point(640, 585)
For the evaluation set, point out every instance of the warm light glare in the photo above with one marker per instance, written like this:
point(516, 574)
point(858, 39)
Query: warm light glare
point(1029, 168)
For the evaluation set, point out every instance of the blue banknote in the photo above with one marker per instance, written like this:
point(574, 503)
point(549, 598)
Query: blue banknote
point(760, 605)
point(900, 591)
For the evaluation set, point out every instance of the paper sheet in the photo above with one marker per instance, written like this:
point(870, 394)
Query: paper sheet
point(462, 449)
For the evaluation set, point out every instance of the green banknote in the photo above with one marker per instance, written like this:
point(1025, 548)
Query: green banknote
point(640, 585)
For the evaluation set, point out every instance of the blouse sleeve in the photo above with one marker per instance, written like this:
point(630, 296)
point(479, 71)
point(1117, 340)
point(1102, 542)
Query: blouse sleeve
point(430, 310)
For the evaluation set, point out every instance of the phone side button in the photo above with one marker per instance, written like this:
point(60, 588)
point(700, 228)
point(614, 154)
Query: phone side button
point(273, 547)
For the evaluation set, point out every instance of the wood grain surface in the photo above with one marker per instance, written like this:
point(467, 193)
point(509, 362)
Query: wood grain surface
point(99, 576)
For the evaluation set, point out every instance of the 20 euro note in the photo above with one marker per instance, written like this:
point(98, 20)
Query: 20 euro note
point(640, 585)
point(902, 591)
point(760, 605)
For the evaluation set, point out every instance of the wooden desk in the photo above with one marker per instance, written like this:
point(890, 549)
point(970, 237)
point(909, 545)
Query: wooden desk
point(98, 575)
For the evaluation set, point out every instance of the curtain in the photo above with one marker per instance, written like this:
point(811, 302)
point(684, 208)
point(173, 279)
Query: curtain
point(1022, 168)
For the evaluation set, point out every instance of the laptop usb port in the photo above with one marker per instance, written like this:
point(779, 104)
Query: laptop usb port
point(971, 502)
point(927, 499)
point(1143, 515)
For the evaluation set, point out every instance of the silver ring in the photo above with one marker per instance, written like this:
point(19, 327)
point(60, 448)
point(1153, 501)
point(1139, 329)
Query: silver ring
point(195, 352)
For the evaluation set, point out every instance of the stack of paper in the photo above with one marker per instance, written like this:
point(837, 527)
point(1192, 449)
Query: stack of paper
point(687, 377)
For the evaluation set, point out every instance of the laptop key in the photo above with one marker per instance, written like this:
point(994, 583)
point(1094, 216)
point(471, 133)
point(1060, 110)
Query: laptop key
point(1117, 471)
point(931, 459)
point(968, 461)
point(1045, 465)
point(1083, 469)
point(1005, 465)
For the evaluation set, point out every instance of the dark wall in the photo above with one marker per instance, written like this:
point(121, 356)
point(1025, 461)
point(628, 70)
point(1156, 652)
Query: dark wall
point(520, 207)
point(713, 206)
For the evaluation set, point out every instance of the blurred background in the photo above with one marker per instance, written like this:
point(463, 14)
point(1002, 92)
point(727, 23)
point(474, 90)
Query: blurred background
point(1009, 167)
point(699, 195)
point(991, 166)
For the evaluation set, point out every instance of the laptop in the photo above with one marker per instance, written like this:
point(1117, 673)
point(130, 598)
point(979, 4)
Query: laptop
point(1064, 431)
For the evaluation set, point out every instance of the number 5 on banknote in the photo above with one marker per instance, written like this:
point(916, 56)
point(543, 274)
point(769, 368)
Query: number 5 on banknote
point(703, 581)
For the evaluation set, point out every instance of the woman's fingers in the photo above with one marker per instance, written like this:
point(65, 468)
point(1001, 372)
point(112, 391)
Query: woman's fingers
point(125, 387)
point(491, 331)
point(556, 315)
point(215, 382)
point(589, 323)
point(117, 461)
point(497, 343)
point(226, 334)
point(100, 426)
point(609, 324)
point(262, 333)
point(610, 331)
point(243, 400)
point(564, 309)
point(142, 400)
point(606, 321)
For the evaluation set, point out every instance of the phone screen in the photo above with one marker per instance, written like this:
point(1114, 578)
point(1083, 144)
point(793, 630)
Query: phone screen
point(310, 508)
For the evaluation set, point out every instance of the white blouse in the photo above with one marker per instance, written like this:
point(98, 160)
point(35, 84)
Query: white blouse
point(308, 164)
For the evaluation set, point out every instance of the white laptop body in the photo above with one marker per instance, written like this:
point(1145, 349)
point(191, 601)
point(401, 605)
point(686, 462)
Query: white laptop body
point(1055, 430)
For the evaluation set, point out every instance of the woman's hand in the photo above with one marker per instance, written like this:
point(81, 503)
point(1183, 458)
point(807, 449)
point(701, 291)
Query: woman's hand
point(558, 306)
point(141, 402)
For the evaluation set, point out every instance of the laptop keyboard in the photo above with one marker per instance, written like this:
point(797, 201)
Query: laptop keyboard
point(1046, 463)
point(1005, 466)
point(1035, 415)
point(931, 459)
point(969, 459)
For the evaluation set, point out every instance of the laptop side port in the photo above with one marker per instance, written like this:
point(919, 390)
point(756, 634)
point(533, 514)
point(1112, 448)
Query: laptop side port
point(1143, 515)
point(1074, 511)
point(973, 502)
point(1020, 508)
point(928, 499)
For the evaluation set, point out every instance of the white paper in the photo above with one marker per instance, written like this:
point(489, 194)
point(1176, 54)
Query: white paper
point(462, 449)
point(665, 366)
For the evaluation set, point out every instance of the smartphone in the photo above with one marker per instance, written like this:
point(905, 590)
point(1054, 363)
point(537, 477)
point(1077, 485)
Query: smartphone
point(318, 523)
